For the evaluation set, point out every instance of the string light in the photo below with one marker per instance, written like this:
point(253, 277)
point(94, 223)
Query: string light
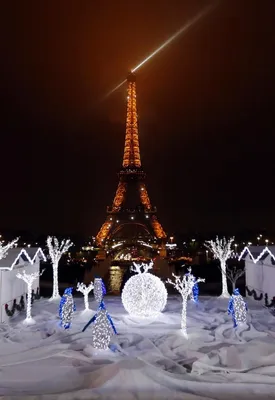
point(144, 294)
point(237, 307)
point(101, 331)
point(221, 249)
point(194, 295)
point(29, 279)
point(56, 251)
point(4, 249)
point(255, 260)
point(66, 308)
point(30, 260)
point(103, 327)
point(184, 286)
point(99, 290)
point(85, 290)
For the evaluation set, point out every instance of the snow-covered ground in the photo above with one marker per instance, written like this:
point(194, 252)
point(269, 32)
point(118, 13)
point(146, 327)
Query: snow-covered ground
point(150, 359)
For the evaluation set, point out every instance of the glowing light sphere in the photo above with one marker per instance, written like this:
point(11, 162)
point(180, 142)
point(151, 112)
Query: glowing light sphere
point(144, 295)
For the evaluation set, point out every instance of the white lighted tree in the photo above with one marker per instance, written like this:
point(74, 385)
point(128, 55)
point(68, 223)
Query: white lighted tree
point(56, 251)
point(29, 279)
point(184, 285)
point(85, 290)
point(234, 274)
point(4, 249)
point(137, 267)
point(222, 251)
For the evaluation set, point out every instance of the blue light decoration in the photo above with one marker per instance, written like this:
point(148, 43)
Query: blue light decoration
point(66, 308)
point(237, 307)
point(99, 290)
point(101, 308)
point(103, 327)
point(195, 289)
point(196, 292)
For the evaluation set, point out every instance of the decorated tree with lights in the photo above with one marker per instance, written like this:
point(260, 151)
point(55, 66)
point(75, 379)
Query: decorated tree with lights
point(144, 294)
point(221, 249)
point(4, 249)
point(56, 250)
point(85, 290)
point(29, 279)
point(184, 286)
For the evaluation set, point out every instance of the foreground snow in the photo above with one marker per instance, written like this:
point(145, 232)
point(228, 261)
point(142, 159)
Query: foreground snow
point(150, 359)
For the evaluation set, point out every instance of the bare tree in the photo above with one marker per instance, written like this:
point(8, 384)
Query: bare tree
point(184, 286)
point(56, 251)
point(29, 279)
point(221, 249)
point(137, 267)
point(4, 249)
point(233, 274)
point(85, 290)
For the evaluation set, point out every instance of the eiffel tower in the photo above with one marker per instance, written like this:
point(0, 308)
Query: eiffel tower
point(131, 216)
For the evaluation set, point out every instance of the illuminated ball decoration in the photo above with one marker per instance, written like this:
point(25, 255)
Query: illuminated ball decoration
point(144, 294)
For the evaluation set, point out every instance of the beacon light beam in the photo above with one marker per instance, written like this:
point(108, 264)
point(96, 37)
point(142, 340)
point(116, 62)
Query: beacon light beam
point(182, 30)
point(173, 37)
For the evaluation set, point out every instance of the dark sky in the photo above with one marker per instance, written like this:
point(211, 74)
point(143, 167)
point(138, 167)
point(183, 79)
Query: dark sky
point(206, 109)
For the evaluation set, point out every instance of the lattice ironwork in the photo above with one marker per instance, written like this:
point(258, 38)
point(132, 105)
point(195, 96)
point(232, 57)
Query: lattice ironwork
point(131, 157)
point(119, 196)
point(158, 229)
point(103, 232)
point(144, 197)
point(131, 174)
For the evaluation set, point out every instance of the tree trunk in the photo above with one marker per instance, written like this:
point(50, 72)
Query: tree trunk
point(225, 292)
point(55, 295)
point(86, 301)
point(183, 315)
point(233, 285)
point(29, 301)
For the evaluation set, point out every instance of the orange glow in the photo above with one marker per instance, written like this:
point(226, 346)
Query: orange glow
point(158, 229)
point(144, 197)
point(119, 196)
point(103, 233)
point(131, 157)
point(132, 164)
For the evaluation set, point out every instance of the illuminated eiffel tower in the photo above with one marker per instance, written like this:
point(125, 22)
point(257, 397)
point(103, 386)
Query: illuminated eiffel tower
point(131, 216)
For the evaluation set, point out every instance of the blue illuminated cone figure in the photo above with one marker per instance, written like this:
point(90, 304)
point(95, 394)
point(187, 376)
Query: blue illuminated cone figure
point(237, 307)
point(66, 308)
point(103, 327)
point(195, 290)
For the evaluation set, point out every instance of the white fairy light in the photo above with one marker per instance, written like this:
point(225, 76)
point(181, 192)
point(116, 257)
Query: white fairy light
point(29, 279)
point(144, 294)
point(66, 308)
point(184, 286)
point(101, 331)
point(237, 307)
point(4, 249)
point(255, 260)
point(85, 290)
point(221, 249)
point(56, 251)
point(98, 290)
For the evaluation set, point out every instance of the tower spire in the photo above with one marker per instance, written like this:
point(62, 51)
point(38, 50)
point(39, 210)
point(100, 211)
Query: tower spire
point(131, 156)
point(131, 176)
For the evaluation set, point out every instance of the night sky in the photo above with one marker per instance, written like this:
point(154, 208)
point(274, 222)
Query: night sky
point(206, 110)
